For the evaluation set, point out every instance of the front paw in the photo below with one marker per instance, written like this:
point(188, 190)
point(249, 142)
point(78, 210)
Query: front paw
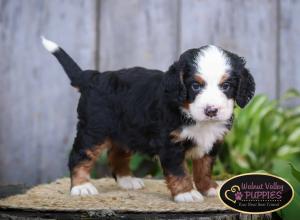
point(129, 182)
point(191, 196)
point(211, 192)
point(84, 190)
point(208, 188)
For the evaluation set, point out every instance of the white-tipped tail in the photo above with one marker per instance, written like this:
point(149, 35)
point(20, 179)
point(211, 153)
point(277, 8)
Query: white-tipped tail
point(49, 45)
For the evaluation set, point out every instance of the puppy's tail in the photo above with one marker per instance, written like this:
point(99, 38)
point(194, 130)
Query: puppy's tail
point(74, 72)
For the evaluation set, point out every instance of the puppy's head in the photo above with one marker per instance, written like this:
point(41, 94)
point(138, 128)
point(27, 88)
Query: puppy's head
point(206, 82)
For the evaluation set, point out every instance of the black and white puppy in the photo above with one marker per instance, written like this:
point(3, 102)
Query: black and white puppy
point(181, 113)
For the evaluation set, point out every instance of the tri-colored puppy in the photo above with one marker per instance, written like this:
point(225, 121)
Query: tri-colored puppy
point(181, 113)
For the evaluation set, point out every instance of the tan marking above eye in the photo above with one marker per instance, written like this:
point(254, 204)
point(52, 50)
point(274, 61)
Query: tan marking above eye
point(186, 105)
point(199, 79)
point(224, 78)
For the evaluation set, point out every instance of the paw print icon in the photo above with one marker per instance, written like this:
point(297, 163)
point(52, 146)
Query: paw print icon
point(238, 196)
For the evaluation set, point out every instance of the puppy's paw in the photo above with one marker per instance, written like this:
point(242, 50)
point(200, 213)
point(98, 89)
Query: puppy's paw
point(129, 182)
point(211, 192)
point(84, 190)
point(191, 196)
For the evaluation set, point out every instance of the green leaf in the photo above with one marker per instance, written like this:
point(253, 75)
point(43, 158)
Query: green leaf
point(256, 104)
point(290, 124)
point(287, 149)
point(291, 93)
point(294, 136)
point(291, 212)
point(261, 171)
point(295, 172)
point(283, 169)
point(103, 158)
point(293, 112)
point(135, 162)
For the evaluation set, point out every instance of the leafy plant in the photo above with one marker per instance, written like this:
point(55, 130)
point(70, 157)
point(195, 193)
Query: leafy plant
point(263, 132)
point(289, 172)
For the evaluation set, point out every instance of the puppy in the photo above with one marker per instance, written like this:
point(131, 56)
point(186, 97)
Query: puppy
point(181, 113)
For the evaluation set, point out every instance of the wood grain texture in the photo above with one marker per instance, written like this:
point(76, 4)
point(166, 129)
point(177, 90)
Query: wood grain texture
point(247, 28)
point(289, 44)
point(38, 105)
point(138, 33)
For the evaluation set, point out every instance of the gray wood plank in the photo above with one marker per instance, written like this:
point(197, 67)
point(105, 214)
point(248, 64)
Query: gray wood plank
point(138, 33)
point(38, 106)
point(289, 45)
point(247, 28)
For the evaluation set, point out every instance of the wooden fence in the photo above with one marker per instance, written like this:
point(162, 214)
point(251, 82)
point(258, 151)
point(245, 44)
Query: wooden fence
point(37, 105)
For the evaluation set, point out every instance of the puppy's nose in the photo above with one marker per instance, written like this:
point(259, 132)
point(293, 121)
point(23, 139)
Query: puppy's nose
point(211, 111)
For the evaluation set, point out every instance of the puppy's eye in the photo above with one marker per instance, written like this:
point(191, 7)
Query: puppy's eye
point(196, 87)
point(225, 86)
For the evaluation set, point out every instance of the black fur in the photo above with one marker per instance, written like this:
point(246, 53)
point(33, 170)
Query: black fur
point(243, 85)
point(246, 88)
point(78, 77)
point(134, 107)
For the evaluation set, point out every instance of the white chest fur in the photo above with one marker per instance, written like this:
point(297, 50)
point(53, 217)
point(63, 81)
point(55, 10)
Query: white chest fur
point(205, 134)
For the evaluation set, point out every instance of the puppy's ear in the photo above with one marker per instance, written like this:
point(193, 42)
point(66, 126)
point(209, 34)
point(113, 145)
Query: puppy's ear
point(246, 88)
point(173, 84)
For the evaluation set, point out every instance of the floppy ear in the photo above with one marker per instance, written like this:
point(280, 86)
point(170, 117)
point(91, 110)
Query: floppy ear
point(174, 88)
point(246, 88)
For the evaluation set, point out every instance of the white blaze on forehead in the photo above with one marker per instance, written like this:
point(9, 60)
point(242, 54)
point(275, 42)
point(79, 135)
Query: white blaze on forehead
point(212, 63)
point(213, 66)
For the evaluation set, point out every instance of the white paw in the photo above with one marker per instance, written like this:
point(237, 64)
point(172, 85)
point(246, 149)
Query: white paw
point(129, 182)
point(84, 190)
point(191, 196)
point(211, 192)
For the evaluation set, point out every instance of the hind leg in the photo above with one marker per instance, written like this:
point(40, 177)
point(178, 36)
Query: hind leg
point(81, 161)
point(119, 160)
